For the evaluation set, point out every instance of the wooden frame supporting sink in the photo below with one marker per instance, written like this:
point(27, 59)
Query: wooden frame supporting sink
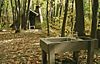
point(53, 45)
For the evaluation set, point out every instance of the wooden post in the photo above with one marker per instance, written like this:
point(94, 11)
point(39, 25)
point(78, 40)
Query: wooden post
point(44, 57)
point(90, 52)
point(51, 57)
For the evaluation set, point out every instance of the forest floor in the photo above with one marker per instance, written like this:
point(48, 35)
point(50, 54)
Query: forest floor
point(20, 48)
point(24, 48)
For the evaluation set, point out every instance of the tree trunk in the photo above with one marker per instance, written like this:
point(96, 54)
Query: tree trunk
point(27, 13)
point(58, 8)
point(7, 12)
point(48, 34)
point(1, 8)
point(98, 31)
point(18, 22)
point(72, 22)
point(1, 5)
point(79, 25)
point(14, 14)
point(61, 4)
point(64, 20)
point(24, 15)
point(94, 18)
point(99, 21)
point(51, 10)
point(54, 8)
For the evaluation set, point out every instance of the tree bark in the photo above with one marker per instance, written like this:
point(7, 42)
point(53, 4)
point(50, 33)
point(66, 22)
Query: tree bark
point(72, 22)
point(64, 19)
point(51, 10)
point(58, 8)
point(27, 13)
point(7, 12)
point(94, 18)
point(24, 15)
point(48, 34)
point(61, 4)
point(1, 5)
point(98, 31)
point(79, 25)
point(17, 22)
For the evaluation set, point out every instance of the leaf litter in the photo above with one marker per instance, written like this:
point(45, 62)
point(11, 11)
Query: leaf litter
point(21, 48)
point(24, 48)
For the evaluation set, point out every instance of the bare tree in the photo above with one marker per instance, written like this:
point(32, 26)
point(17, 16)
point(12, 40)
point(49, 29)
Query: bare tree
point(1, 5)
point(24, 14)
point(27, 11)
point(79, 25)
point(64, 19)
point(20, 11)
point(18, 19)
point(47, 18)
point(13, 13)
point(94, 18)
point(61, 4)
point(98, 31)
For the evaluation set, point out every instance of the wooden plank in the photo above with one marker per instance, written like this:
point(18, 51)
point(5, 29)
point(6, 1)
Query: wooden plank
point(90, 53)
point(44, 57)
point(58, 45)
point(51, 56)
